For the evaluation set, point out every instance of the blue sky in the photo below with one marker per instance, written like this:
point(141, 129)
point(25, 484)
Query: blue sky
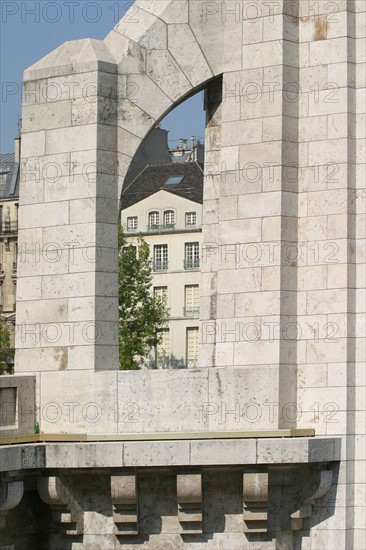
point(31, 29)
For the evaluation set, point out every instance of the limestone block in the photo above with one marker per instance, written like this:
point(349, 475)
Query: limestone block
point(146, 406)
point(133, 119)
point(40, 215)
point(158, 453)
point(262, 55)
point(64, 334)
point(148, 96)
point(232, 132)
point(232, 405)
point(58, 454)
point(46, 116)
point(33, 144)
point(224, 354)
point(55, 310)
point(104, 210)
point(166, 73)
point(47, 359)
point(82, 308)
point(29, 288)
point(76, 402)
point(72, 57)
point(79, 236)
point(310, 375)
point(258, 353)
point(324, 203)
point(278, 127)
point(313, 128)
point(312, 278)
point(257, 101)
point(93, 356)
point(212, 453)
point(245, 280)
point(259, 205)
point(337, 72)
point(151, 32)
point(253, 30)
point(32, 192)
point(257, 303)
point(328, 51)
point(279, 451)
point(240, 231)
point(71, 139)
point(326, 301)
point(327, 351)
point(185, 50)
point(312, 77)
point(77, 186)
point(331, 100)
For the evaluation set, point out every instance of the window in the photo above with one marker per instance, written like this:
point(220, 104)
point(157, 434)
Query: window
point(191, 301)
point(153, 219)
point(163, 349)
point(174, 180)
point(192, 347)
point(169, 218)
point(161, 292)
point(160, 257)
point(191, 219)
point(132, 223)
point(192, 256)
point(130, 249)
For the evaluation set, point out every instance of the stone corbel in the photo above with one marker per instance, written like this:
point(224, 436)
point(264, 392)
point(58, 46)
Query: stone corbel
point(53, 493)
point(11, 493)
point(125, 504)
point(255, 497)
point(189, 496)
point(324, 483)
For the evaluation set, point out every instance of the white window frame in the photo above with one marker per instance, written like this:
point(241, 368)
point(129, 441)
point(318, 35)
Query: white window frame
point(160, 257)
point(169, 217)
point(161, 292)
point(192, 255)
point(132, 223)
point(191, 301)
point(162, 350)
point(191, 219)
point(192, 343)
point(154, 218)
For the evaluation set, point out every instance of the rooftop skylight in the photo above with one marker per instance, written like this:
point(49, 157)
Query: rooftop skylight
point(174, 180)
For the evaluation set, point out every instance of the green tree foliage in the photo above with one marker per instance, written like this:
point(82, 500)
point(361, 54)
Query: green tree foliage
point(141, 314)
point(6, 351)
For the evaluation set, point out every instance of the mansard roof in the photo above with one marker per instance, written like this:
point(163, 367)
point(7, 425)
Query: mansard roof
point(154, 178)
point(9, 176)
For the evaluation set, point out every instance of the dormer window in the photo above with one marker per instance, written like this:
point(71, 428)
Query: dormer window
point(132, 223)
point(153, 219)
point(191, 219)
point(169, 217)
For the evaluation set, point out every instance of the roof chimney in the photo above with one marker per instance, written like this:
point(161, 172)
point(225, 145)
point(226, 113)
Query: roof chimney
point(17, 150)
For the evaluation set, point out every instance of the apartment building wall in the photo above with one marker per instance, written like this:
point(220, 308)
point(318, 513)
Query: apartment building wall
point(178, 275)
point(9, 203)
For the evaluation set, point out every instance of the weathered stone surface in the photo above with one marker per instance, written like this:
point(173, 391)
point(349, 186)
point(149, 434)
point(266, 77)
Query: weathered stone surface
point(284, 218)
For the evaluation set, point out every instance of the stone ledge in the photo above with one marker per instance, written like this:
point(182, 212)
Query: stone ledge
point(202, 452)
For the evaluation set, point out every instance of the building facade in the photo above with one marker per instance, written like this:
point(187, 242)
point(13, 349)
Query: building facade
point(9, 204)
point(164, 205)
point(263, 445)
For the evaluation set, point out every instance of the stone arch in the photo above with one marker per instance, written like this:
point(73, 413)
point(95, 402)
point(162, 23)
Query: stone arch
point(104, 97)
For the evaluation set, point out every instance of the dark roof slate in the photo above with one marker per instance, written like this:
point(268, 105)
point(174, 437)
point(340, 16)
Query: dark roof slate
point(153, 177)
point(9, 171)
